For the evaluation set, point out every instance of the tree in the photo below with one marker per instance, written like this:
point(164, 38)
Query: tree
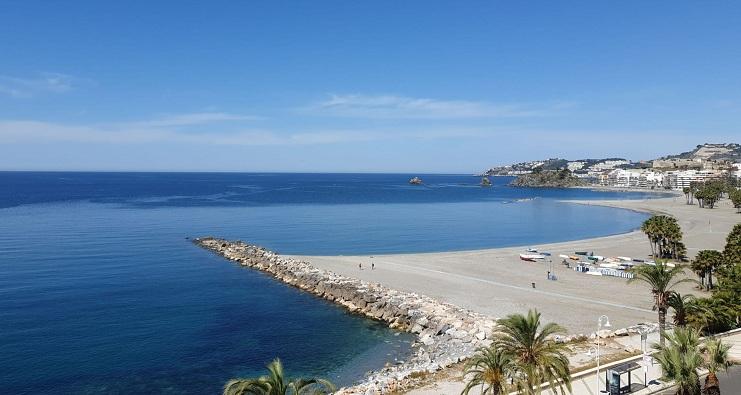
point(681, 359)
point(672, 234)
point(735, 196)
point(709, 192)
point(683, 305)
point(709, 260)
point(732, 251)
point(650, 228)
point(711, 315)
point(722, 311)
point(693, 191)
point(492, 369)
point(661, 279)
point(700, 269)
point(686, 191)
point(727, 296)
point(716, 360)
point(537, 358)
point(275, 383)
point(664, 235)
point(699, 195)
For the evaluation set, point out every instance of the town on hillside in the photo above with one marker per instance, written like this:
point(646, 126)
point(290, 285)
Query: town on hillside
point(704, 163)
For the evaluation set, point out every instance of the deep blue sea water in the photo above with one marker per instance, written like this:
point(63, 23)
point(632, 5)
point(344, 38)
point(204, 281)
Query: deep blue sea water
point(100, 292)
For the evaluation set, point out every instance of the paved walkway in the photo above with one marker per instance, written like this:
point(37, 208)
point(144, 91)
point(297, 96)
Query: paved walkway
point(645, 380)
point(652, 374)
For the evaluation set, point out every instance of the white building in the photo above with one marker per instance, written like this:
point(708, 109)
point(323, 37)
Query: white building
point(682, 179)
point(608, 165)
point(577, 165)
point(633, 178)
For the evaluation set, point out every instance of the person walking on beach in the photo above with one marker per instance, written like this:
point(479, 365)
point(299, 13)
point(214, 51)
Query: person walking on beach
point(360, 266)
point(373, 266)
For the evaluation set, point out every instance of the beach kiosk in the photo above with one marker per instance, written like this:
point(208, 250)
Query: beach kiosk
point(614, 378)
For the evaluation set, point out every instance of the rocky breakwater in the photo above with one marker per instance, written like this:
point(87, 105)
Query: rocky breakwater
point(446, 334)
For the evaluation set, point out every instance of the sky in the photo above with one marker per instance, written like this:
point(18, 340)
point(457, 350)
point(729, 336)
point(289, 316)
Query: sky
point(361, 86)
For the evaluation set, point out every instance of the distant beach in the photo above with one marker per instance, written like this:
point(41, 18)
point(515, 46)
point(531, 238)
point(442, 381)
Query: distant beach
point(496, 282)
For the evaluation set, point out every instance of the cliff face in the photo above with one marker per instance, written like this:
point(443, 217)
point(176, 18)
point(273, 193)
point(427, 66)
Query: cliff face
point(548, 179)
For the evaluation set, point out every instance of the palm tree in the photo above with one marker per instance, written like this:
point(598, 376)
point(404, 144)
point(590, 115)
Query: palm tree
point(716, 360)
point(661, 279)
point(681, 359)
point(651, 228)
point(712, 315)
point(708, 260)
point(683, 305)
point(664, 234)
point(700, 269)
point(491, 368)
point(275, 383)
point(537, 358)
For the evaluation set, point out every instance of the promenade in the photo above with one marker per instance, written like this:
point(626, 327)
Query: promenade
point(645, 380)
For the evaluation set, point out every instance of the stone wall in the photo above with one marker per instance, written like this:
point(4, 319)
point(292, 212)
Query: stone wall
point(446, 334)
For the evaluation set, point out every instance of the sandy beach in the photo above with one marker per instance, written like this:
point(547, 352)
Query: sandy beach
point(496, 282)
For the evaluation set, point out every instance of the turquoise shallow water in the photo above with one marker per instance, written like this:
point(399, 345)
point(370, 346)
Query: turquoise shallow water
point(100, 291)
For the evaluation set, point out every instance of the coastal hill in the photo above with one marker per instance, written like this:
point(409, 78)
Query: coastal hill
point(708, 152)
point(718, 152)
point(578, 166)
point(549, 179)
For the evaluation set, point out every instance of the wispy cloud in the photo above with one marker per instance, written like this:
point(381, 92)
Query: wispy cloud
point(199, 118)
point(37, 132)
point(42, 83)
point(399, 107)
point(160, 130)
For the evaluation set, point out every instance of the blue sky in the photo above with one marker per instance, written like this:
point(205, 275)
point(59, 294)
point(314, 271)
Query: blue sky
point(361, 86)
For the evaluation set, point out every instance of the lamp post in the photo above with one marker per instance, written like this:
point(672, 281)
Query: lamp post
point(602, 322)
point(644, 349)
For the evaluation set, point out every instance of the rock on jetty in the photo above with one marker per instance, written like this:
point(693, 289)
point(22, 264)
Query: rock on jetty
point(446, 334)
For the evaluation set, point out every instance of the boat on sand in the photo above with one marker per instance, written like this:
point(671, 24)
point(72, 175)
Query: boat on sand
point(532, 257)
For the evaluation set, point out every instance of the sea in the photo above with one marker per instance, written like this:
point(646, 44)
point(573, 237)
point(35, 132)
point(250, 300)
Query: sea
point(101, 290)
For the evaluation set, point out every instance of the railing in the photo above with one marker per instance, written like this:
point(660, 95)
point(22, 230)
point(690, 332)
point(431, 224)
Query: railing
point(590, 371)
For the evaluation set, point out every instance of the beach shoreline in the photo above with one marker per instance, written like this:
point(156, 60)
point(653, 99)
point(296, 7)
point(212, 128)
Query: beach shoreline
point(496, 283)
